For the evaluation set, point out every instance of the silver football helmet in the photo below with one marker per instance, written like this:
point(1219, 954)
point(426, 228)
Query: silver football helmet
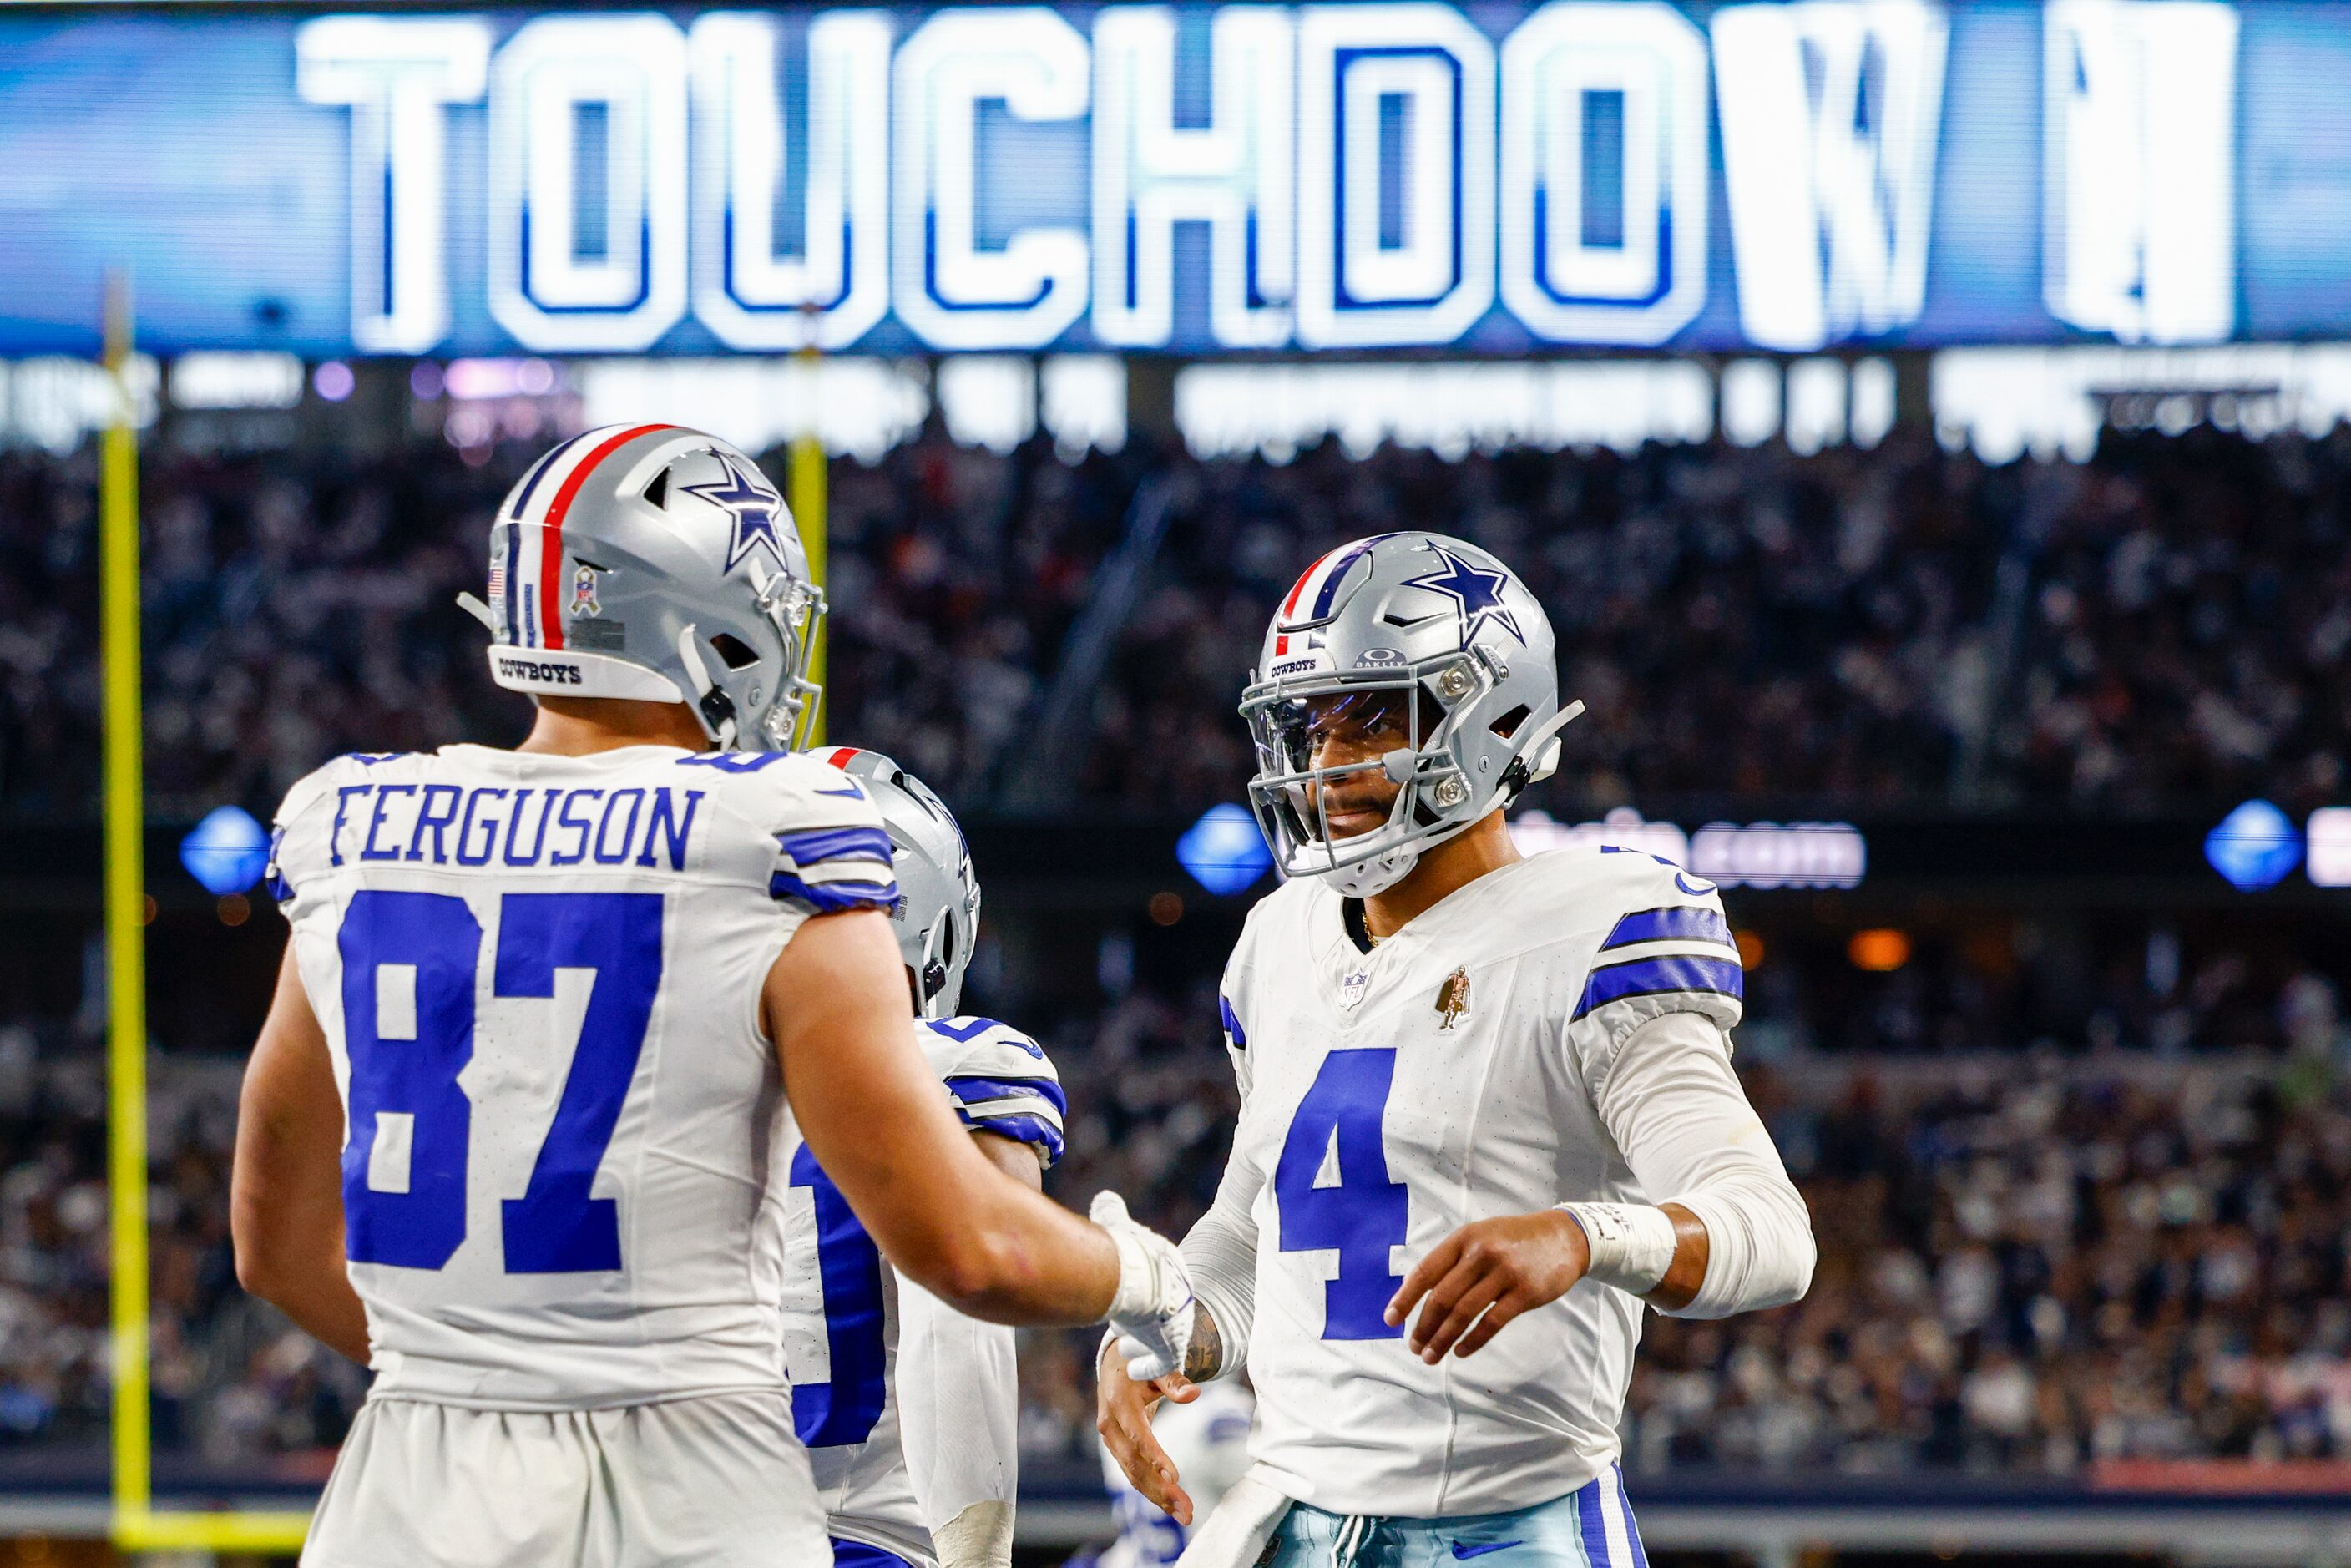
point(1449, 635)
point(655, 562)
point(937, 917)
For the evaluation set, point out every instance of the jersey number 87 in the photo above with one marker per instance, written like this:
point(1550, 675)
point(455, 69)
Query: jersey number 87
point(409, 965)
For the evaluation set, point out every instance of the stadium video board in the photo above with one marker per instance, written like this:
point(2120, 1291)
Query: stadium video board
point(1201, 180)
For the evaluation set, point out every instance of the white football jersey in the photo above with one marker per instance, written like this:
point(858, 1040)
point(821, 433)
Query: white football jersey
point(1208, 1441)
point(567, 1145)
point(1388, 1098)
point(840, 1335)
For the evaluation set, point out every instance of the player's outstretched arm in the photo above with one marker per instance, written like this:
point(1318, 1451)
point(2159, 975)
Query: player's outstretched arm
point(959, 1394)
point(1220, 1256)
point(286, 1195)
point(837, 1009)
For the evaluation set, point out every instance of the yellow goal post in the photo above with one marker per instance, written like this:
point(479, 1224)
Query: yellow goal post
point(137, 1525)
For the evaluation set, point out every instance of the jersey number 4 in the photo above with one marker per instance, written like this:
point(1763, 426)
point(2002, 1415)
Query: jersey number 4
point(409, 967)
point(1364, 1215)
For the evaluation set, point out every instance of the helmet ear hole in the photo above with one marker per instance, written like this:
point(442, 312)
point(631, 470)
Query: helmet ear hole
point(737, 653)
point(1508, 725)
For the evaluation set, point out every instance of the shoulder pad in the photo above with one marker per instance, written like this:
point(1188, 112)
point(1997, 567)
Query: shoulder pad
point(968, 1044)
point(1666, 948)
point(1000, 1079)
point(817, 831)
point(299, 834)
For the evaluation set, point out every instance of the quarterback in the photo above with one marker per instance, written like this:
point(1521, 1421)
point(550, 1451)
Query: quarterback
point(552, 1024)
point(910, 1409)
point(1487, 1111)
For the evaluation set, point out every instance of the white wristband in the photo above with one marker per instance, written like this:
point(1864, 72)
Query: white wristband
point(1632, 1243)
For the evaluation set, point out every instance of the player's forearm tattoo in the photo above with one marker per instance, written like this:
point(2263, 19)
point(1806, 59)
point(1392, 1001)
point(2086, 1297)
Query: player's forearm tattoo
point(1204, 1356)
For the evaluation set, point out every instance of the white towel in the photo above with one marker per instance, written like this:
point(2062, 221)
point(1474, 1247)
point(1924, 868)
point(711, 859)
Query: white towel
point(1237, 1530)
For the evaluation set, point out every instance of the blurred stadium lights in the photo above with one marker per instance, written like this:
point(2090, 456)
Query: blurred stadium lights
point(2255, 847)
point(1777, 854)
point(2053, 402)
point(1081, 398)
point(52, 402)
point(1880, 950)
point(1622, 828)
point(228, 851)
point(1449, 408)
point(989, 400)
point(334, 381)
point(1224, 851)
point(2328, 847)
point(477, 380)
point(255, 379)
point(1753, 854)
point(860, 407)
point(1750, 402)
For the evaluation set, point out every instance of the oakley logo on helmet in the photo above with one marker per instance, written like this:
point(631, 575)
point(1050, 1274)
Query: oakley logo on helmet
point(753, 505)
point(1376, 657)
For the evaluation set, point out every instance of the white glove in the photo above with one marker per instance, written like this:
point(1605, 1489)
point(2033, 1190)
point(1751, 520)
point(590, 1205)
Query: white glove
point(1153, 1311)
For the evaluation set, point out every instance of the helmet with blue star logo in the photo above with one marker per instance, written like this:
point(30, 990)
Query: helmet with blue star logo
point(657, 563)
point(1424, 639)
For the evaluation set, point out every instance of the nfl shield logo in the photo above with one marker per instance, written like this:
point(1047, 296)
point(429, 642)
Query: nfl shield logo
point(1352, 989)
point(583, 593)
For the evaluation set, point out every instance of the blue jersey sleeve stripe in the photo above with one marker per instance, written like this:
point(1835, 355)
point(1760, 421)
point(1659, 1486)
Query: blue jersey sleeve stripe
point(833, 897)
point(1654, 977)
point(1032, 1130)
point(979, 1091)
point(1687, 920)
point(1232, 1023)
point(836, 844)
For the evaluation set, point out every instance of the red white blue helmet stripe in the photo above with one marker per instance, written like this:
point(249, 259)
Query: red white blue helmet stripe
point(530, 533)
point(1317, 587)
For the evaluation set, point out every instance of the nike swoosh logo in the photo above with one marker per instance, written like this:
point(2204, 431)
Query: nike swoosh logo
point(1462, 1551)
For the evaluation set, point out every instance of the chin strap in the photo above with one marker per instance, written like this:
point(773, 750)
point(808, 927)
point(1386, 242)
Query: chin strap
point(478, 611)
point(718, 709)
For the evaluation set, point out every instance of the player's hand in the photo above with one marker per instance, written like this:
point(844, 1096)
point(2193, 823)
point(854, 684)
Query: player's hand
point(1123, 1409)
point(1497, 1268)
point(1154, 1309)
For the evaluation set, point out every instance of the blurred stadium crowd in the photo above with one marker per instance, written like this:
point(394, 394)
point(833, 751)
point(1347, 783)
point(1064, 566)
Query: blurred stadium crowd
point(2029, 1263)
point(2163, 624)
point(2126, 1239)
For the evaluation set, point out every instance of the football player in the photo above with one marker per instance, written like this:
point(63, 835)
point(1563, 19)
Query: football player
point(910, 1409)
point(523, 1120)
point(1475, 1089)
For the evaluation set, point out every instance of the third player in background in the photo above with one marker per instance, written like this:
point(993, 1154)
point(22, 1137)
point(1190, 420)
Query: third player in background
point(910, 1410)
